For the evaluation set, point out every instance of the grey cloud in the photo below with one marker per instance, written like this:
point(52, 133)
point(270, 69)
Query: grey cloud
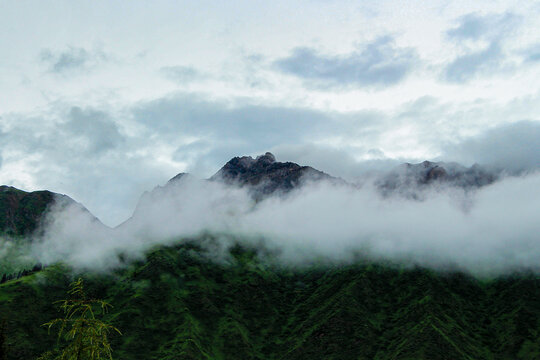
point(221, 131)
point(106, 160)
point(512, 147)
point(182, 74)
point(476, 27)
point(71, 59)
point(193, 115)
point(468, 66)
point(81, 152)
point(225, 133)
point(379, 63)
point(481, 59)
point(3, 141)
point(94, 127)
point(342, 162)
point(74, 131)
point(532, 53)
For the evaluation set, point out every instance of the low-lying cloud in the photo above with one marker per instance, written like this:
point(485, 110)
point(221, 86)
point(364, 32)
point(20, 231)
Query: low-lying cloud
point(491, 230)
point(511, 147)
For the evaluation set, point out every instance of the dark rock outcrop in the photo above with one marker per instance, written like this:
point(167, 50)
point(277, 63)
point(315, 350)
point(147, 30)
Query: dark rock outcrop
point(264, 175)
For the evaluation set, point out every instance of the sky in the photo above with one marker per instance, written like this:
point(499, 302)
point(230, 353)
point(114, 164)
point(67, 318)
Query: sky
point(104, 100)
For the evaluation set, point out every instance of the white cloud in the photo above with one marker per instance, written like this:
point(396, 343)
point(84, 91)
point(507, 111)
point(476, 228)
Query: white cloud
point(492, 230)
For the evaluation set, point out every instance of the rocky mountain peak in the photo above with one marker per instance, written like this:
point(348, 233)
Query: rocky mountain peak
point(264, 175)
point(178, 177)
point(267, 158)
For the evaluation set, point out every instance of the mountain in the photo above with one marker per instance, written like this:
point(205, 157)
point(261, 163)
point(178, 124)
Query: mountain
point(179, 303)
point(21, 212)
point(264, 175)
point(209, 297)
point(407, 179)
point(261, 177)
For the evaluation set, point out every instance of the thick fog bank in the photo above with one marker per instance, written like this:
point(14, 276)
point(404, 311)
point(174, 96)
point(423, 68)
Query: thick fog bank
point(493, 229)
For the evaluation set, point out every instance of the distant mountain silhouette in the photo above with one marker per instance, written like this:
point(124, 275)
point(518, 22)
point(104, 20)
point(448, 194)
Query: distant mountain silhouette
point(408, 178)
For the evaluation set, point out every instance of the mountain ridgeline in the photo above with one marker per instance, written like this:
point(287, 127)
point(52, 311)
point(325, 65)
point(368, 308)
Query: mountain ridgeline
point(180, 302)
point(21, 212)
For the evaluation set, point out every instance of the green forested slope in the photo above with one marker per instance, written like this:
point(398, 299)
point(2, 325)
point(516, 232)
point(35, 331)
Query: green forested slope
point(179, 304)
point(21, 211)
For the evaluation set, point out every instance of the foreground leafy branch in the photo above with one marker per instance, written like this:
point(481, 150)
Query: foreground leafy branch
point(85, 334)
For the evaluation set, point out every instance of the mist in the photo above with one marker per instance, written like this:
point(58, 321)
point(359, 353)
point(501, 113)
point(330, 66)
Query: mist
point(491, 230)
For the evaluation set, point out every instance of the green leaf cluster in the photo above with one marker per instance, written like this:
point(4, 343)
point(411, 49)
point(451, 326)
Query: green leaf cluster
point(86, 336)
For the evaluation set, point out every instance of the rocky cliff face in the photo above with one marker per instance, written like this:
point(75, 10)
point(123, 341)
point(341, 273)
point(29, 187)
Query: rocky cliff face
point(264, 175)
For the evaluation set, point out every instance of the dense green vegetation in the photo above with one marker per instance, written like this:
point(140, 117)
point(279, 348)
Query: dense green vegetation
point(21, 211)
point(86, 335)
point(180, 304)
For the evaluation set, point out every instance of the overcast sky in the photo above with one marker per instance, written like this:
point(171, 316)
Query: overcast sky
point(103, 100)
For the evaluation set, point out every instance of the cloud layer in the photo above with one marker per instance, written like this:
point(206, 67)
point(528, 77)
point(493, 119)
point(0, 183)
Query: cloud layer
point(490, 231)
point(510, 147)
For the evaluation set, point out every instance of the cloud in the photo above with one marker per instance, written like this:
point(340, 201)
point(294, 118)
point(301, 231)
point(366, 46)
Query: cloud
point(479, 58)
point(106, 158)
point(474, 26)
point(182, 74)
point(496, 232)
point(94, 131)
point(225, 131)
point(379, 63)
point(72, 59)
point(532, 53)
point(82, 152)
point(511, 147)
point(472, 64)
point(349, 162)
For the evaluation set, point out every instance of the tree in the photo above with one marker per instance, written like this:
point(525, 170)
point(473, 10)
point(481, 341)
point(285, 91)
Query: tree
point(86, 335)
point(3, 330)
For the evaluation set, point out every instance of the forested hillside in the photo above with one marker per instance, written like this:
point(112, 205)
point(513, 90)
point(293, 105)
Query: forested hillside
point(181, 303)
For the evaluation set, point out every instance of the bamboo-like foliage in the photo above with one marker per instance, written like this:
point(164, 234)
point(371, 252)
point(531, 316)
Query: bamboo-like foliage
point(86, 335)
